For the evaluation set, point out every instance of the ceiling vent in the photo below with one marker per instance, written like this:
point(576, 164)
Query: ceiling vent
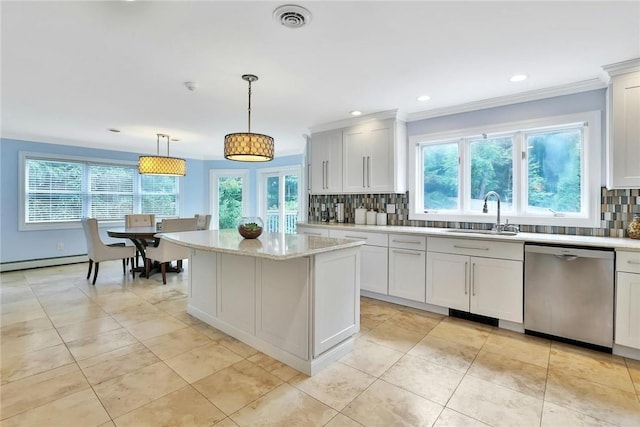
point(292, 16)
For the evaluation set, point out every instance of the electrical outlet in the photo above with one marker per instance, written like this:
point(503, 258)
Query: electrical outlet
point(391, 208)
point(60, 246)
point(323, 207)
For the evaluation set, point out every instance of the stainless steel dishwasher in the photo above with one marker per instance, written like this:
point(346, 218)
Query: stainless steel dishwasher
point(568, 293)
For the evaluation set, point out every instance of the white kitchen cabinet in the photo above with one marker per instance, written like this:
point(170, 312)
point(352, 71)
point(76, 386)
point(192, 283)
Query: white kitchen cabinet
point(627, 321)
point(407, 266)
point(326, 162)
point(374, 157)
point(623, 110)
point(489, 285)
point(374, 260)
point(236, 291)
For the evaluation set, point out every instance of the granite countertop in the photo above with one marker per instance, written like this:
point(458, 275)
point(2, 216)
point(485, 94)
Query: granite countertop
point(562, 239)
point(275, 246)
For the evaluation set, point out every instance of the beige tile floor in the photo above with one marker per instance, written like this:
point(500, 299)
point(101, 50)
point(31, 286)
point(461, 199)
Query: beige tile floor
point(125, 353)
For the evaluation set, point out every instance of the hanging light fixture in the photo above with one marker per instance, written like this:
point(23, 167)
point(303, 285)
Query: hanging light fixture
point(162, 165)
point(248, 146)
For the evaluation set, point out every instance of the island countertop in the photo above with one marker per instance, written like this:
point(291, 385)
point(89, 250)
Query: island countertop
point(275, 246)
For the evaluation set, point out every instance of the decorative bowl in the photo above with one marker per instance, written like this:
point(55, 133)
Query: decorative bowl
point(250, 227)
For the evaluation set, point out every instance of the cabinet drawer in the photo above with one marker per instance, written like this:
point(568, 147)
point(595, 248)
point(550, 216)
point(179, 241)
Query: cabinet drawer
point(408, 241)
point(628, 261)
point(312, 231)
point(371, 239)
point(481, 248)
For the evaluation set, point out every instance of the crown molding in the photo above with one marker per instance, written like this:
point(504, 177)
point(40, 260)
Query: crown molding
point(622, 67)
point(534, 95)
point(382, 115)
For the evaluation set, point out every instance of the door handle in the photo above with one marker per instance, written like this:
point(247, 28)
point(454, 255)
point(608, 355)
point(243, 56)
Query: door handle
point(327, 174)
point(364, 168)
point(466, 282)
point(406, 252)
point(368, 171)
point(412, 242)
point(471, 247)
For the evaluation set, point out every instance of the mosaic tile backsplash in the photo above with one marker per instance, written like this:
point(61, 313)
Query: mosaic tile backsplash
point(617, 209)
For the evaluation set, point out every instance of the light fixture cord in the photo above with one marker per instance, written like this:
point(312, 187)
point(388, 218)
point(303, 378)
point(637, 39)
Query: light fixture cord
point(249, 109)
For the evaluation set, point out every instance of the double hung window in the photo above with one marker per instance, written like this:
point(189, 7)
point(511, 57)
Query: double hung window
point(546, 172)
point(58, 191)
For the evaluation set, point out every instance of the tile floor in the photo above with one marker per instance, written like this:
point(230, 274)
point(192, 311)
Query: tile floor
point(125, 353)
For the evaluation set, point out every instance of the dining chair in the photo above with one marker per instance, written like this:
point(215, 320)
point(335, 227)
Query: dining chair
point(140, 220)
point(166, 251)
point(203, 221)
point(98, 251)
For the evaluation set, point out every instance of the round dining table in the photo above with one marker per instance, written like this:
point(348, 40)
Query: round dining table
point(139, 236)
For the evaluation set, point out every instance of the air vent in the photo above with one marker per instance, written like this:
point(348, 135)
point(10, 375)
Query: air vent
point(292, 16)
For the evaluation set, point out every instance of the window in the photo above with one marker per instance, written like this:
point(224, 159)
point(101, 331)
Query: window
point(58, 191)
point(230, 197)
point(280, 194)
point(538, 168)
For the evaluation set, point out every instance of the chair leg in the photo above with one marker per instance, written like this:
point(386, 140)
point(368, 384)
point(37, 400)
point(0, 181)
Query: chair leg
point(95, 273)
point(90, 266)
point(179, 266)
point(163, 268)
point(124, 266)
point(133, 271)
point(147, 267)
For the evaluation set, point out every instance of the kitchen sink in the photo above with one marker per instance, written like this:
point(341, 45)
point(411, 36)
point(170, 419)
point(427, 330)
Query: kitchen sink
point(491, 232)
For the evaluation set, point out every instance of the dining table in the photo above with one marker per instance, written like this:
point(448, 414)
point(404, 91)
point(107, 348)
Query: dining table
point(140, 237)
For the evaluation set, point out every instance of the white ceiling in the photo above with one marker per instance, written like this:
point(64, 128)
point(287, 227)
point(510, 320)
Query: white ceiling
point(71, 70)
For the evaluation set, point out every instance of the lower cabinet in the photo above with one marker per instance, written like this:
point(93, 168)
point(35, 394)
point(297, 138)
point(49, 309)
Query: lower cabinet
point(407, 266)
point(478, 284)
point(627, 329)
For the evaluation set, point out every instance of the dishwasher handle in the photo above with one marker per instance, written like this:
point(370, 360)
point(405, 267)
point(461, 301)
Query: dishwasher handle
point(566, 257)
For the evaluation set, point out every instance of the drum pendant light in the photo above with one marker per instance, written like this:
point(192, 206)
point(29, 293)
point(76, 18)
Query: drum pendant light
point(248, 146)
point(162, 165)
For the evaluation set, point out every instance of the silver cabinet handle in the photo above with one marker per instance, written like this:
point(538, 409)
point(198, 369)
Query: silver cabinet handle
point(479, 248)
point(466, 274)
point(406, 252)
point(413, 242)
point(312, 233)
point(473, 279)
point(368, 171)
point(355, 237)
point(633, 262)
point(326, 165)
point(364, 167)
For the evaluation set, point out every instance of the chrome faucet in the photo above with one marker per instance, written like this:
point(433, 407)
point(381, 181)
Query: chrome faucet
point(498, 226)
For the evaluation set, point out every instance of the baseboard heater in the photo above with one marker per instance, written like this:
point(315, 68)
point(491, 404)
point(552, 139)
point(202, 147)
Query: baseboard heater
point(43, 262)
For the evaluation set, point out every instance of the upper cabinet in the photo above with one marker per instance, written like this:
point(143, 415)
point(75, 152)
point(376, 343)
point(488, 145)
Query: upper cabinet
point(326, 162)
point(367, 156)
point(375, 157)
point(623, 111)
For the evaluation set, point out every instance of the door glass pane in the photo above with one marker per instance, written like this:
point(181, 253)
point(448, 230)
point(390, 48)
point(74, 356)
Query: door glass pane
point(273, 203)
point(440, 176)
point(291, 203)
point(491, 170)
point(554, 180)
point(229, 201)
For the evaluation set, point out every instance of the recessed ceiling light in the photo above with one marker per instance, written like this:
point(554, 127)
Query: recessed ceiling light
point(518, 77)
point(423, 98)
point(356, 113)
point(114, 130)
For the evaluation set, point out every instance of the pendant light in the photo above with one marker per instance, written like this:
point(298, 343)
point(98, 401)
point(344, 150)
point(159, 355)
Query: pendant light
point(248, 146)
point(162, 165)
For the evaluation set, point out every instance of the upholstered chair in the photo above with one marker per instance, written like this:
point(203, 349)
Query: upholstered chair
point(98, 251)
point(203, 221)
point(166, 251)
point(140, 220)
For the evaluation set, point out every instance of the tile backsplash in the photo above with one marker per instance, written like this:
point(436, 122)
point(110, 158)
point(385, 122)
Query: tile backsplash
point(617, 209)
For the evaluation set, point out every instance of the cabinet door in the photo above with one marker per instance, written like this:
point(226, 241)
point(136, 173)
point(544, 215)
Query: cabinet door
point(448, 280)
point(374, 269)
point(407, 274)
point(623, 164)
point(497, 288)
point(380, 160)
point(355, 160)
point(326, 162)
point(627, 331)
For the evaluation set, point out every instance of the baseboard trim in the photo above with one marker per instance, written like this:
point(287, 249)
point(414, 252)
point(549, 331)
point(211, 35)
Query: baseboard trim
point(44, 262)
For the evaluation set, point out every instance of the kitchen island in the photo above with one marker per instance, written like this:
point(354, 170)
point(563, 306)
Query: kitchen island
point(293, 297)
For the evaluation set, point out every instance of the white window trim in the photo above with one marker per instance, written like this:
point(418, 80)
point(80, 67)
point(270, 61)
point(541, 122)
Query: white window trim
point(214, 176)
point(591, 172)
point(263, 173)
point(24, 155)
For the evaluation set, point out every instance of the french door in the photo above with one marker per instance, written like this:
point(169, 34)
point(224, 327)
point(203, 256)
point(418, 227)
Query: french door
point(280, 198)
